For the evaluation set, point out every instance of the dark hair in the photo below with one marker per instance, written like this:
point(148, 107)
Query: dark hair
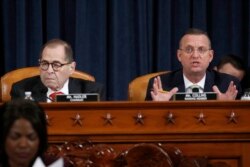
point(195, 31)
point(56, 42)
point(29, 110)
point(234, 60)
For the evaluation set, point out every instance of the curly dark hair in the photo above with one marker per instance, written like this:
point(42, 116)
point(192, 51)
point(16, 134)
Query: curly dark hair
point(29, 110)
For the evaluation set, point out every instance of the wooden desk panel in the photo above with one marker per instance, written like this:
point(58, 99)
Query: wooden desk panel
point(219, 130)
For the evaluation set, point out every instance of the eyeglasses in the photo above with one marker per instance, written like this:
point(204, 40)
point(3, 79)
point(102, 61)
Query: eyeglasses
point(191, 50)
point(44, 65)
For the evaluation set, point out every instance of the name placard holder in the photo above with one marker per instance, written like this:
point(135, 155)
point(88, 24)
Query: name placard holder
point(195, 96)
point(78, 97)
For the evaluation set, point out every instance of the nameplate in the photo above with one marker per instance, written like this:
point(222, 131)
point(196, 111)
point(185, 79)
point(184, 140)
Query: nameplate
point(78, 97)
point(195, 96)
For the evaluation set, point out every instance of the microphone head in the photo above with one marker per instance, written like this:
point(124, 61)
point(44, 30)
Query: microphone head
point(50, 99)
point(195, 90)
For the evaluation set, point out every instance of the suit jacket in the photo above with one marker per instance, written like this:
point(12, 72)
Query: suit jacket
point(39, 91)
point(175, 79)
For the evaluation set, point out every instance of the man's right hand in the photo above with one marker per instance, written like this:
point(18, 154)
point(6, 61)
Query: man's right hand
point(158, 94)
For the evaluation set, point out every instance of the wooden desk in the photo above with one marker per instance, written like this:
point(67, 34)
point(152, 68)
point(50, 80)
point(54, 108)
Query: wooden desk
point(219, 130)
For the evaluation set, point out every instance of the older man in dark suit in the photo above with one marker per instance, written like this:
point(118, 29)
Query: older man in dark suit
point(195, 55)
point(56, 65)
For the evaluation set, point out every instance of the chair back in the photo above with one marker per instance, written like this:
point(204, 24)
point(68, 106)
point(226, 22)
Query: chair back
point(138, 87)
point(16, 75)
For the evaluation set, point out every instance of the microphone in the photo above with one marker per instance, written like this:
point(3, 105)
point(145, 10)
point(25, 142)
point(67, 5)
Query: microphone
point(195, 90)
point(50, 99)
point(44, 91)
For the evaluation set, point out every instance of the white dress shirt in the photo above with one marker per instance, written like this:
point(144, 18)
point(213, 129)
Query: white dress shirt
point(64, 90)
point(189, 85)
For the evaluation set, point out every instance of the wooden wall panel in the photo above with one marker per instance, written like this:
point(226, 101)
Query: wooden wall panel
point(218, 130)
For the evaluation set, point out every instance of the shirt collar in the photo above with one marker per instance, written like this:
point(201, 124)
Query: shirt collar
point(188, 83)
point(64, 90)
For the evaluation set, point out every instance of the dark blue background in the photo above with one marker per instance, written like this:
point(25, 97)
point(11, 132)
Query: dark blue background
point(118, 40)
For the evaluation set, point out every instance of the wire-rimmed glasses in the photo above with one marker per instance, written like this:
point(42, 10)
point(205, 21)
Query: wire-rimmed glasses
point(190, 50)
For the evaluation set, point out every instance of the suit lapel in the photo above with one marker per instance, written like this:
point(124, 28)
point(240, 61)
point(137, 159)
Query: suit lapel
point(74, 86)
point(40, 92)
point(174, 79)
point(179, 81)
point(209, 82)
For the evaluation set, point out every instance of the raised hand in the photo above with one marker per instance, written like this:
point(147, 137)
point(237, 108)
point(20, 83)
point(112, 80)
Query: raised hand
point(158, 94)
point(230, 94)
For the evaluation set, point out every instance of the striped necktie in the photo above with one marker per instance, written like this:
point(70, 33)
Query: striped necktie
point(52, 96)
